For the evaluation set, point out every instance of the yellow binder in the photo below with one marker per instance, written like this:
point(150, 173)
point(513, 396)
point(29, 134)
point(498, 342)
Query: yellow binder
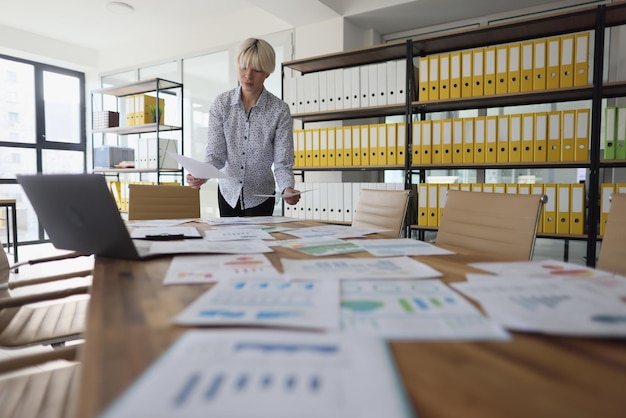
point(423, 78)
point(324, 147)
point(577, 209)
point(563, 209)
point(357, 150)
point(400, 132)
point(549, 219)
point(457, 141)
point(528, 138)
point(491, 136)
point(581, 152)
point(422, 204)
point(466, 73)
point(514, 70)
point(339, 147)
point(435, 140)
point(540, 153)
point(366, 147)
point(374, 156)
point(446, 141)
point(554, 136)
point(502, 66)
point(606, 191)
point(308, 147)
point(581, 59)
point(433, 78)
point(393, 151)
point(426, 148)
point(539, 64)
point(553, 56)
point(416, 156)
point(468, 140)
point(332, 147)
point(515, 138)
point(444, 76)
point(347, 146)
point(526, 65)
point(503, 139)
point(568, 135)
point(316, 147)
point(478, 72)
point(567, 62)
point(442, 194)
point(455, 75)
point(299, 134)
point(511, 189)
point(490, 71)
point(433, 206)
point(479, 139)
point(380, 136)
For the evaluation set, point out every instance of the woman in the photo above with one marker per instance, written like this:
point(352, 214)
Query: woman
point(249, 130)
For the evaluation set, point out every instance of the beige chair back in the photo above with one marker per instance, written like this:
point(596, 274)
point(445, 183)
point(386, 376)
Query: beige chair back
point(148, 201)
point(496, 223)
point(381, 209)
point(612, 255)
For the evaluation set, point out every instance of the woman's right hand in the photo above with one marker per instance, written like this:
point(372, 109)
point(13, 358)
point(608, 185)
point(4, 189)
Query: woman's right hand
point(195, 182)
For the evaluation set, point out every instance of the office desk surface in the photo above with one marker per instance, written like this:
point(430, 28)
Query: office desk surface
point(532, 375)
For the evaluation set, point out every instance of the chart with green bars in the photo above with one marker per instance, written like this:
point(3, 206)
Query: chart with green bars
point(413, 309)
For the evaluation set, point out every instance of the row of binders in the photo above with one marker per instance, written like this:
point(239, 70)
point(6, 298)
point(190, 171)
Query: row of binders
point(528, 137)
point(333, 202)
point(615, 133)
point(119, 190)
point(547, 63)
point(377, 84)
point(142, 109)
point(382, 144)
point(606, 191)
point(563, 213)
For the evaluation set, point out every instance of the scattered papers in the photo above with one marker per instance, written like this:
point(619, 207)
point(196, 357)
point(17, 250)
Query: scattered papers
point(320, 246)
point(549, 306)
point(234, 220)
point(197, 168)
point(400, 268)
point(543, 268)
point(422, 310)
point(185, 269)
point(257, 374)
point(234, 234)
point(399, 246)
point(266, 303)
point(208, 247)
point(153, 232)
point(333, 231)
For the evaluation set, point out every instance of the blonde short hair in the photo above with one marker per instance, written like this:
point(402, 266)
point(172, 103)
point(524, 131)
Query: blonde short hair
point(256, 53)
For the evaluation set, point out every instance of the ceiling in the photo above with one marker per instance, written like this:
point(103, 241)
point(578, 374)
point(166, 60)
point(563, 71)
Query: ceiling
point(88, 23)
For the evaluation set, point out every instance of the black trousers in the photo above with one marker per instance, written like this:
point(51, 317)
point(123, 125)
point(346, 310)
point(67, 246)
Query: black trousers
point(264, 209)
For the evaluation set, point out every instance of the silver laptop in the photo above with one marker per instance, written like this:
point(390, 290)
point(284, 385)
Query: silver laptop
point(78, 213)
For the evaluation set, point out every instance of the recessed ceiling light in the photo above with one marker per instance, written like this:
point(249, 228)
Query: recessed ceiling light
point(119, 7)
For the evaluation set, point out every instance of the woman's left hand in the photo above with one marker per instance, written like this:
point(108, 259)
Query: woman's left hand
point(291, 200)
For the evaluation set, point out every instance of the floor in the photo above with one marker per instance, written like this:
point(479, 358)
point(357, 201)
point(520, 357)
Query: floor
point(30, 252)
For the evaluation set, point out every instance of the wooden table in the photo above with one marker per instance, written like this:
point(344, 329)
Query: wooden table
point(530, 376)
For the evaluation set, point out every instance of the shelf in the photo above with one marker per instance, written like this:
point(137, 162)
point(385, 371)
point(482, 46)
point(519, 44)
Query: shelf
point(549, 25)
point(134, 170)
point(614, 89)
point(612, 163)
point(138, 87)
point(369, 55)
point(615, 14)
point(351, 168)
point(138, 129)
point(503, 166)
point(511, 99)
point(354, 113)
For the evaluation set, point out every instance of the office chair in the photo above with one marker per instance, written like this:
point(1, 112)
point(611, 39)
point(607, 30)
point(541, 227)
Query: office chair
point(42, 317)
point(612, 255)
point(496, 223)
point(381, 209)
point(151, 201)
point(30, 391)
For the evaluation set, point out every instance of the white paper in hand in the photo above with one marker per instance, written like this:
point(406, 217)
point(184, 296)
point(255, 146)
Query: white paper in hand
point(198, 168)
